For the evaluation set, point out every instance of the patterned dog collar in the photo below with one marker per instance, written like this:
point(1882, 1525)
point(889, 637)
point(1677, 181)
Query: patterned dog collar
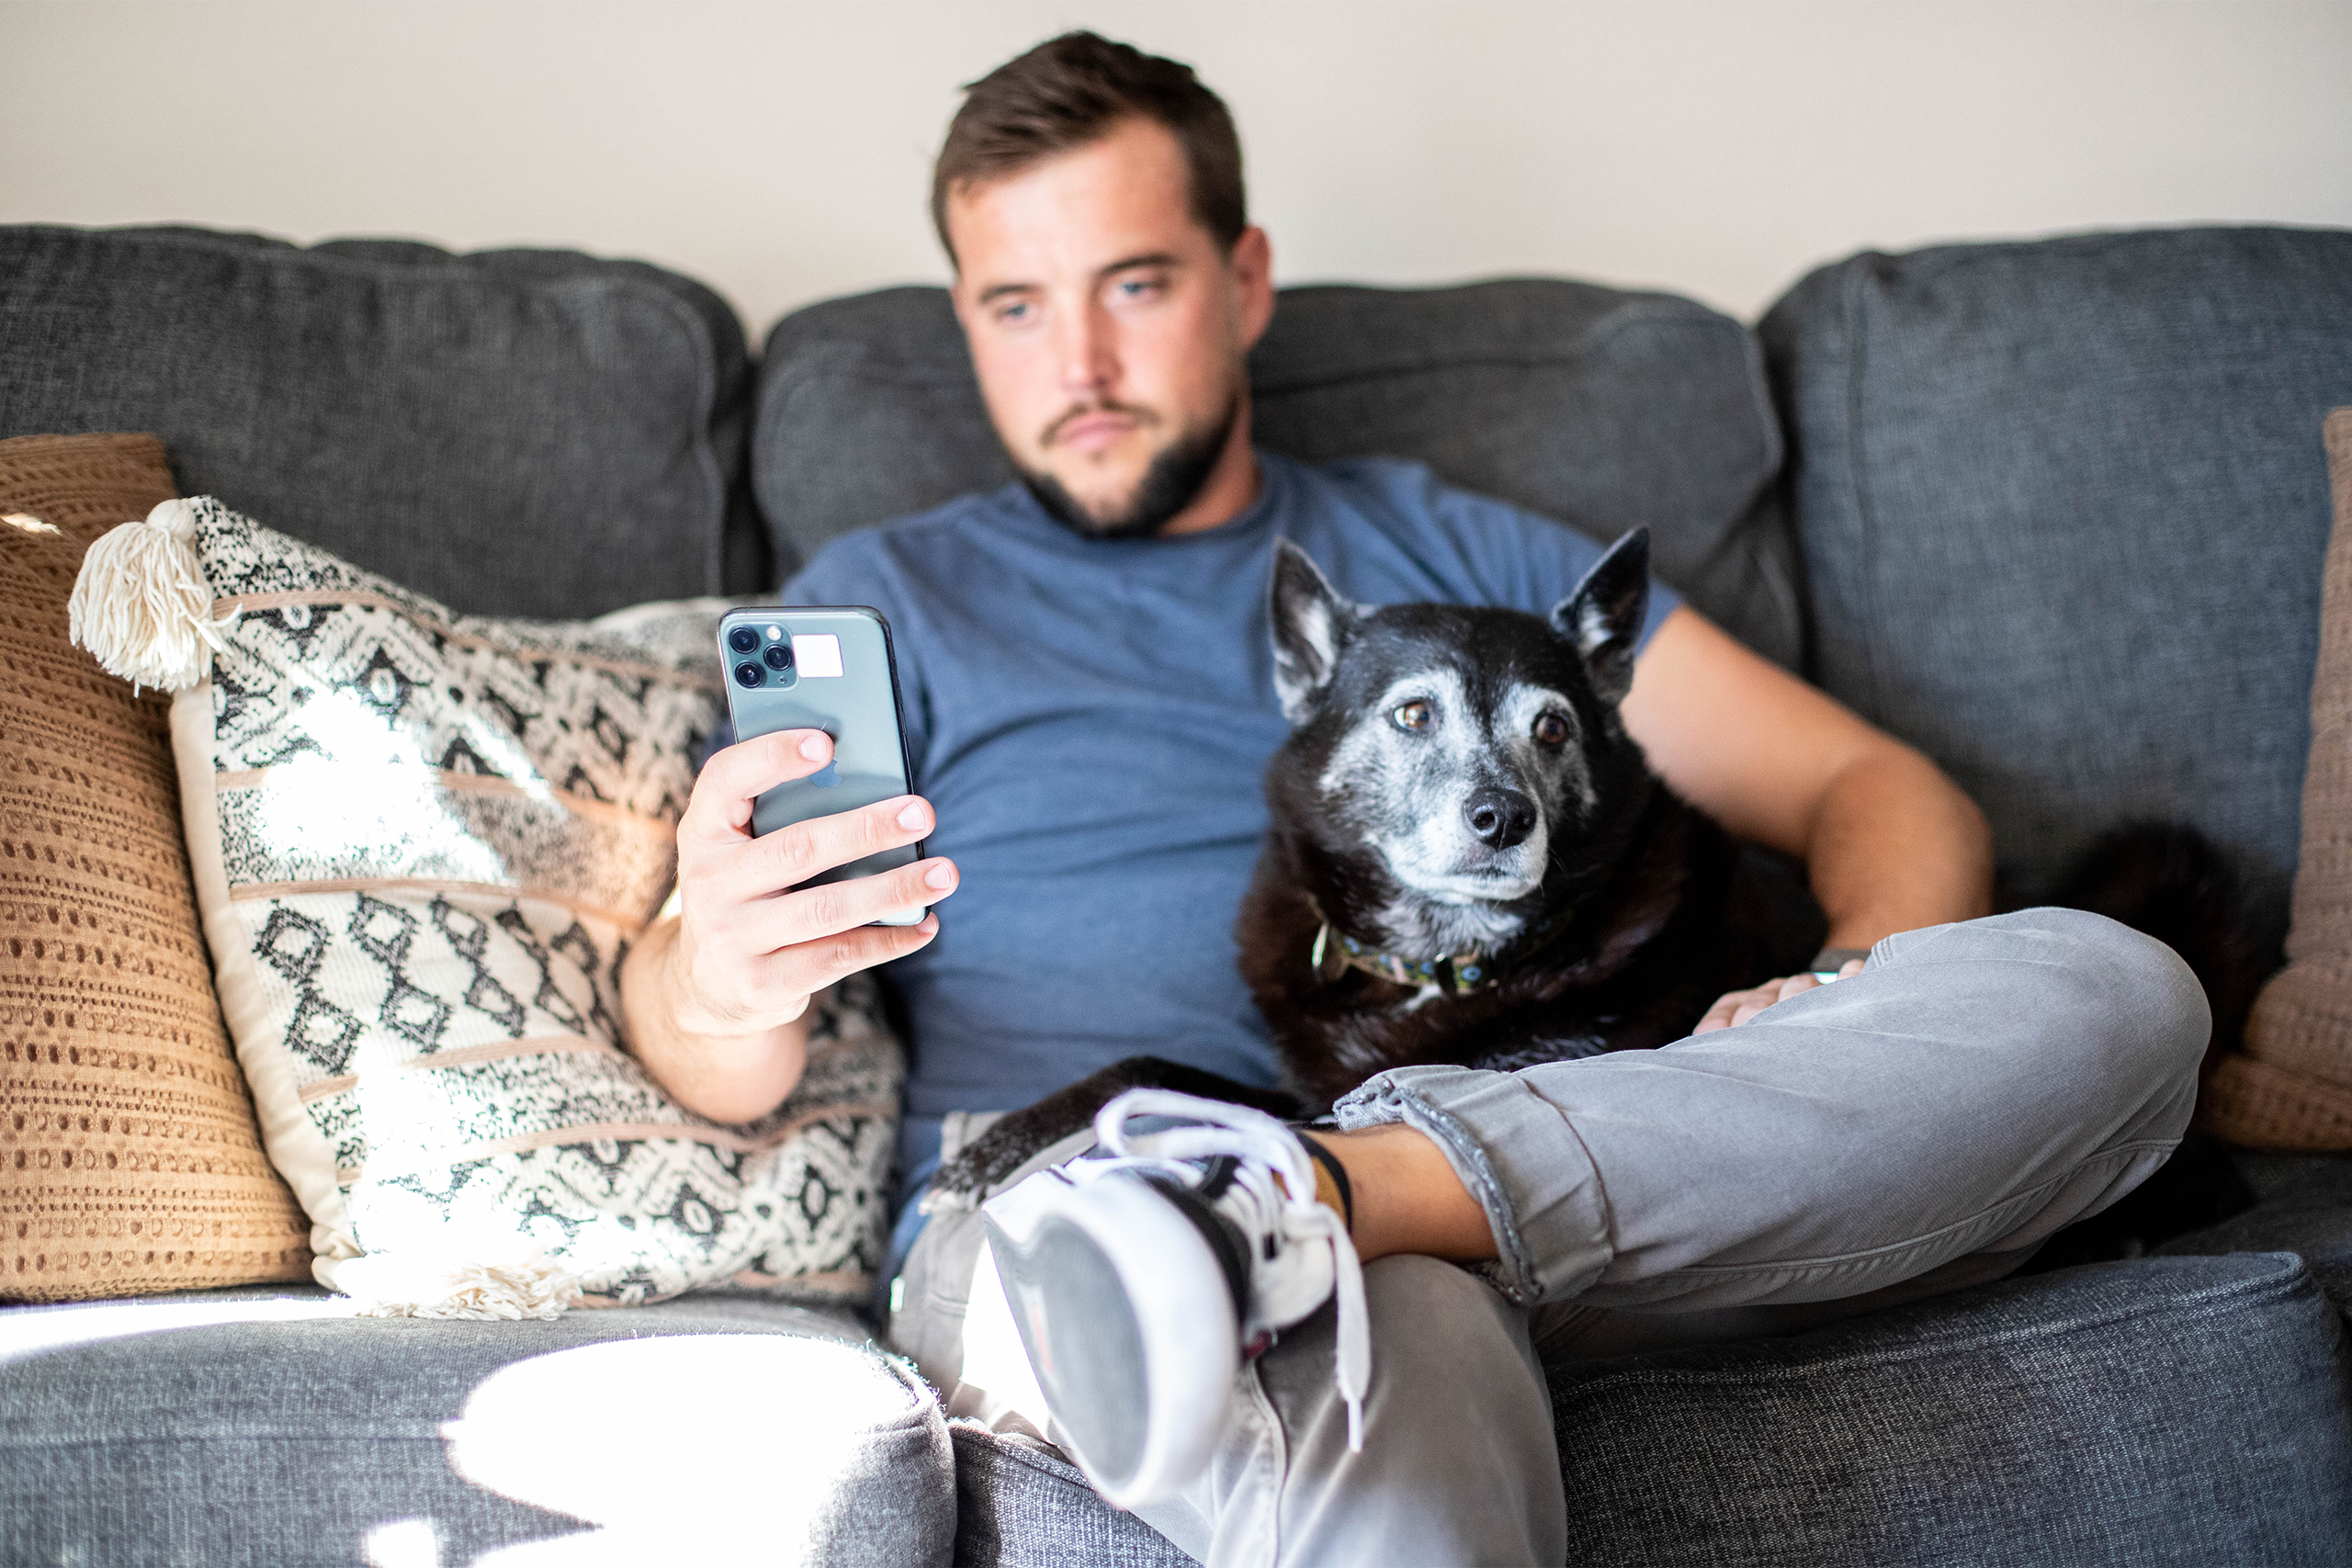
point(1455, 973)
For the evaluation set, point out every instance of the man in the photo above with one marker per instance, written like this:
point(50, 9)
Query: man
point(1090, 706)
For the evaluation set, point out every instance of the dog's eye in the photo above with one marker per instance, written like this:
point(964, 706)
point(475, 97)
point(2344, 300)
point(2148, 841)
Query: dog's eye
point(1550, 730)
point(1412, 716)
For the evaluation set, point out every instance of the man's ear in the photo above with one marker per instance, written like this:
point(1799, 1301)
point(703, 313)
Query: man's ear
point(1603, 617)
point(1310, 622)
point(1253, 277)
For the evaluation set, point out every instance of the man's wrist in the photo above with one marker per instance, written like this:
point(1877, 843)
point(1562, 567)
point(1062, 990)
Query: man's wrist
point(686, 1007)
point(729, 1075)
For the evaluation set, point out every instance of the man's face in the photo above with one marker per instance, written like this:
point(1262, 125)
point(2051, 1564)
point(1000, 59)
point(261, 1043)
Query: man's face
point(1108, 328)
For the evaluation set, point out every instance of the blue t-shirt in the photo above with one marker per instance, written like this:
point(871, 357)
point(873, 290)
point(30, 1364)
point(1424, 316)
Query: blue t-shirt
point(1091, 719)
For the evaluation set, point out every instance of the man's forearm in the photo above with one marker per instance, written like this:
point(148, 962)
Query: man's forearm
point(726, 1076)
point(1894, 846)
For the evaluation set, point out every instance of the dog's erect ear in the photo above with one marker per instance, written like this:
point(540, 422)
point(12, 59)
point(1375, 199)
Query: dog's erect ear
point(1310, 622)
point(1603, 617)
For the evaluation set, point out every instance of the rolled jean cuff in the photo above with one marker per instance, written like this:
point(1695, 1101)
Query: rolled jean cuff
point(1518, 1157)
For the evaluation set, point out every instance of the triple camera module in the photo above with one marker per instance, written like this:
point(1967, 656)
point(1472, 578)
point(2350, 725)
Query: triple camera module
point(776, 656)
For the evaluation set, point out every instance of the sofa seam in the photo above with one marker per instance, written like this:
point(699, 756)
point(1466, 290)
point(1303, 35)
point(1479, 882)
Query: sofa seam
point(2206, 1302)
point(992, 1443)
point(42, 1443)
point(1602, 335)
point(706, 408)
point(1857, 484)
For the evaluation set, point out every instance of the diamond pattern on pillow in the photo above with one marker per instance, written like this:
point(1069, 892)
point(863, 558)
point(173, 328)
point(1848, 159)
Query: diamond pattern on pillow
point(423, 843)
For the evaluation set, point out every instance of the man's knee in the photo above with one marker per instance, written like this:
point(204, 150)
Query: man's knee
point(2156, 1017)
point(2122, 999)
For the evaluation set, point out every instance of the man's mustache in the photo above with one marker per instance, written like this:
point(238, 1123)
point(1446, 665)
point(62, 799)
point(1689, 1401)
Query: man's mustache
point(1142, 416)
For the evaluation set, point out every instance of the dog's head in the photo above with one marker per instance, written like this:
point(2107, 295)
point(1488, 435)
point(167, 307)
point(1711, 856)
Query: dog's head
point(1451, 773)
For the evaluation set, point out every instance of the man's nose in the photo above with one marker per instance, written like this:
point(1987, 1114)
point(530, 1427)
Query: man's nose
point(1089, 364)
point(1500, 817)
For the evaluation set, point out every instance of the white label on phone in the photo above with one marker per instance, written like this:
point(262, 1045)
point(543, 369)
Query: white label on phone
point(818, 656)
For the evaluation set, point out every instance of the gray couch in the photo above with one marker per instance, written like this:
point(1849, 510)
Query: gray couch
point(2055, 512)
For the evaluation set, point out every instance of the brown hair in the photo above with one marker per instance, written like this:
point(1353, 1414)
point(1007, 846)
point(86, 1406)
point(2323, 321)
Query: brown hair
point(1071, 90)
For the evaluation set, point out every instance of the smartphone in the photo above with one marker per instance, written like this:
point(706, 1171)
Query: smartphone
point(826, 668)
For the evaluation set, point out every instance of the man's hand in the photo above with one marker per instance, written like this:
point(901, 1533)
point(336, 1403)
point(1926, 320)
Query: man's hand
point(714, 997)
point(1735, 1008)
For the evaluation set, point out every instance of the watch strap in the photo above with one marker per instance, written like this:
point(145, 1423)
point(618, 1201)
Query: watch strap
point(1829, 960)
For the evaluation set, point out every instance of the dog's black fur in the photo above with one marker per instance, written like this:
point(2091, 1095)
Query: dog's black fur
point(2174, 884)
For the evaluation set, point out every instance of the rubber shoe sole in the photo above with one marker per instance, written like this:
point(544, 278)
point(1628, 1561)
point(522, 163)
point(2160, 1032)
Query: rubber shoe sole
point(1124, 1303)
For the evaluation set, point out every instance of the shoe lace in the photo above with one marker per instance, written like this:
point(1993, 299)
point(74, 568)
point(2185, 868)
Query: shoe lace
point(1265, 1149)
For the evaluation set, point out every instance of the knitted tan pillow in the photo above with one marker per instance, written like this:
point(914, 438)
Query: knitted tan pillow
point(2291, 1087)
point(129, 1160)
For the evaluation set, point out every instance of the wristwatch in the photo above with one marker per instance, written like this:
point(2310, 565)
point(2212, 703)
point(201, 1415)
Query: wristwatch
point(1829, 960)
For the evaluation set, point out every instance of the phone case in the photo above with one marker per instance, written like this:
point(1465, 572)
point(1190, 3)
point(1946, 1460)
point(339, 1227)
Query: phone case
point(825, 668)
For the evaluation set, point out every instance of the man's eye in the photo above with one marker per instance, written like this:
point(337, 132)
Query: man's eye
point(1550, 730)
point(1412, 716)
point(1012, 315)
point(1138, 288)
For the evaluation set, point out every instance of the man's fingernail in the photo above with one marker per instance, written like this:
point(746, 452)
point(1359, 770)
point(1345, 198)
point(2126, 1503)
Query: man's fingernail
point(942, 876)
point(813, 748)
point(912, 817)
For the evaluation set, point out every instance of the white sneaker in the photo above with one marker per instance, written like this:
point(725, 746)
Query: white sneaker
point(1142, 1276)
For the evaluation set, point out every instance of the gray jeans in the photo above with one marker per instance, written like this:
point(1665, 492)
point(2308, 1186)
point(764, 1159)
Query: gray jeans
point(1922, 1125)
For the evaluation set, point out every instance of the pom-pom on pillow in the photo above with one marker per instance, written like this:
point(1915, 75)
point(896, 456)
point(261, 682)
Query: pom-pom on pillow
point(423, 844)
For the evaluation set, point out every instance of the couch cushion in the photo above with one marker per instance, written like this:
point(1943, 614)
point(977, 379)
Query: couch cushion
point(515, 431)
point(2174, 1410)
point(243, 1432)
point(129, 1160)
point(1603, 408)
point(1019, 1505)
point(2062, 510)
point(2303, 1205)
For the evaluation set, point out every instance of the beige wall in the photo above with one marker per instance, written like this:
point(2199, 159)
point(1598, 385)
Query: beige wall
point(779, 152)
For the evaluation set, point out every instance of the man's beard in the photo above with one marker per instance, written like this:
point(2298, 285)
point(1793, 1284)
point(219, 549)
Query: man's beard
point(1172, 483)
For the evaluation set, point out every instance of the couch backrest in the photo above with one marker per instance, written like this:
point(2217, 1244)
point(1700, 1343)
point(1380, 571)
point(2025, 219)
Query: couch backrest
point(515, 431)
point(1605, 409)
point(2063, 509)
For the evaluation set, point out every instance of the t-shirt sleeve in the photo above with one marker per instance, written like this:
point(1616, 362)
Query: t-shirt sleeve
point(1523, 560)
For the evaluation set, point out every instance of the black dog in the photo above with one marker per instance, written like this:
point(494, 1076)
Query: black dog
point(1468, 861)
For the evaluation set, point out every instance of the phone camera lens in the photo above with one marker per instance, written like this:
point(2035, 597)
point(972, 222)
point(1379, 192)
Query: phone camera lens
point(742, 640)
point(748, 674)
point(779, 656)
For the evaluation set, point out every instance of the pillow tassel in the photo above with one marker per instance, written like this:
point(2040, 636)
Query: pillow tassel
point(429, 1281)
point(141, 605)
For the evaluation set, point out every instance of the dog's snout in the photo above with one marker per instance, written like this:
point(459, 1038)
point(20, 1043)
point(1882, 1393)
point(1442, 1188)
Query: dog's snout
point(1500, 817)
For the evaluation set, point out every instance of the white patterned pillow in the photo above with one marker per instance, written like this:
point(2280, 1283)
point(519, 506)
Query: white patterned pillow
point(423, 844)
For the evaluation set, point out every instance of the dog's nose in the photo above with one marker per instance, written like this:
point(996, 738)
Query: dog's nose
point(1500, 817)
